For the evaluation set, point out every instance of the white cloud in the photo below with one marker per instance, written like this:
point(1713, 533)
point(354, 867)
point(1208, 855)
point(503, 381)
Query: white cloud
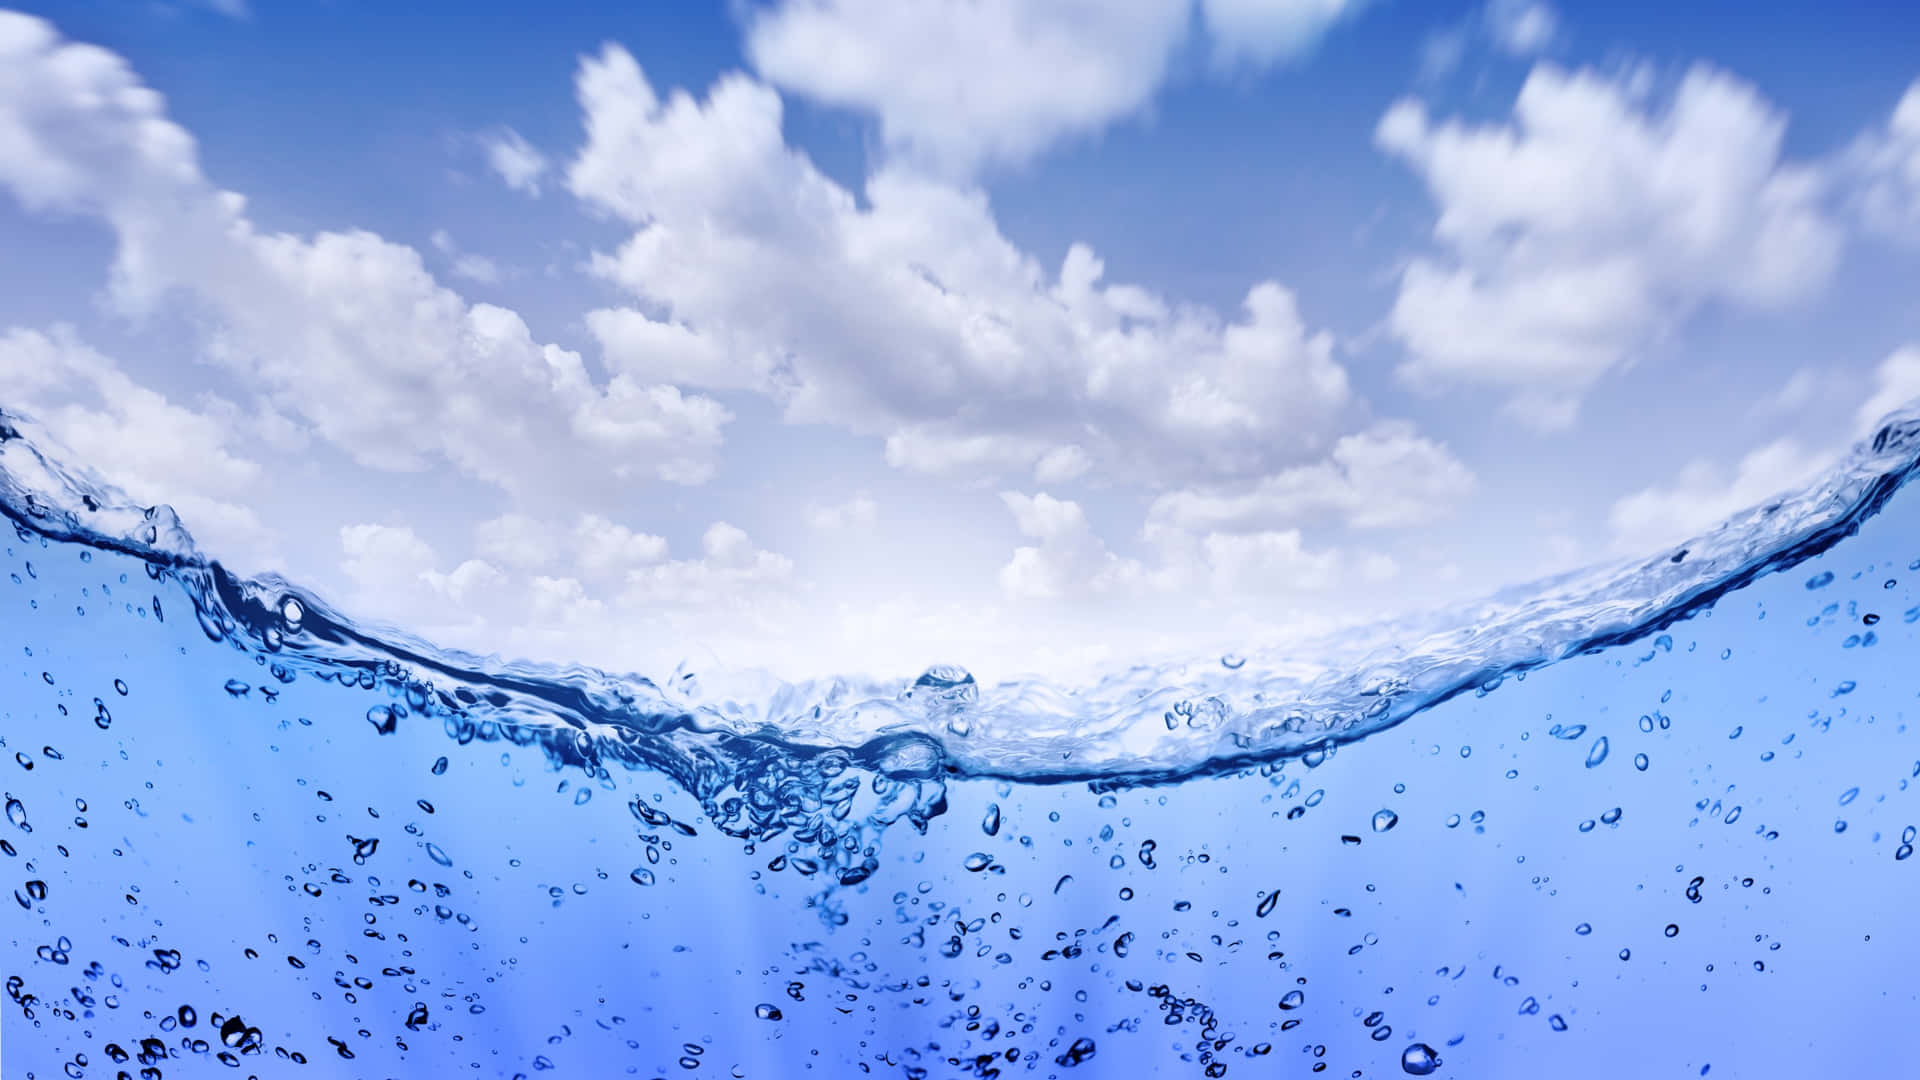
point(1061, 464)
point(466, 264)
point(605, 545)
point(1262, 32)
point(913, 318)
point(1592, 224)
point(1068, 558)
point(384, 558)
point(859, 512)
point(515, 161)
point(1705, 494)
point(1273, 561)
point(1521, 27)
point(1386, 476)
point(346, 331)
point(959, 84)
point(1069, 562)
point(573, 592)
point(1883, 168)
point(515, 540)
point(731, 569)
point(467, 579)
point(1896, 383)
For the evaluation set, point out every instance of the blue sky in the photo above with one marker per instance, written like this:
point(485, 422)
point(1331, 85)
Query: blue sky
point(1019, 336)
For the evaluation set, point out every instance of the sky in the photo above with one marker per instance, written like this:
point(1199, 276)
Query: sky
point(858, 335)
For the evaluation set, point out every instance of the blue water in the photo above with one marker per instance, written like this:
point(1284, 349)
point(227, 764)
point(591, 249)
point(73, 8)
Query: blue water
point(1649, 819)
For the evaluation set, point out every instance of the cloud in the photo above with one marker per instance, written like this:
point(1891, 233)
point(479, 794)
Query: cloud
point(1516, 28)
point(1896, 384)
point(605, 545)
point(912, 318)
point(1521, 27)
point(859, 512)
point(1705, 494)
point(1263, 32)
point(516, 540)
point(1068, 558)
point(465, 264)
point(1593, 223)
point(344, 330)
point(1386, 476)
point(962, 84)
point(571, 591)
point(1882, 168)
point(1068, 562)
point(1267, 562)
point(515, 161)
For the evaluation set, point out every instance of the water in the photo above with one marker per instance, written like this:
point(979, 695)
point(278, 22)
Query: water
point(1648, 819)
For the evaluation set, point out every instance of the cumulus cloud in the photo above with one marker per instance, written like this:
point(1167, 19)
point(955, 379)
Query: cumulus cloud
point(532, 583)
point(859, 512)
point(912, 317)
point(1883, 169)
point(515, 161)
point(960, 84)
point(344, 330)
point(1386, 476)
point(1067, 561)
point(1067, 558)
point(605, 545)
point(1592, 223)
point(1262, 32)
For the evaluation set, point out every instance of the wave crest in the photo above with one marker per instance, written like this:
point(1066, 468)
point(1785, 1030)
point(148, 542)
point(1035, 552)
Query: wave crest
point(767, 757)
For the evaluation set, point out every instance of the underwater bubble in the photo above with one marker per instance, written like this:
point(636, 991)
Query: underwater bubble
point(1599, 752)
point(1293, 1000)
point(1384, 820)
point(1419, 1060)
point(990, 824)
point(766, 1012)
